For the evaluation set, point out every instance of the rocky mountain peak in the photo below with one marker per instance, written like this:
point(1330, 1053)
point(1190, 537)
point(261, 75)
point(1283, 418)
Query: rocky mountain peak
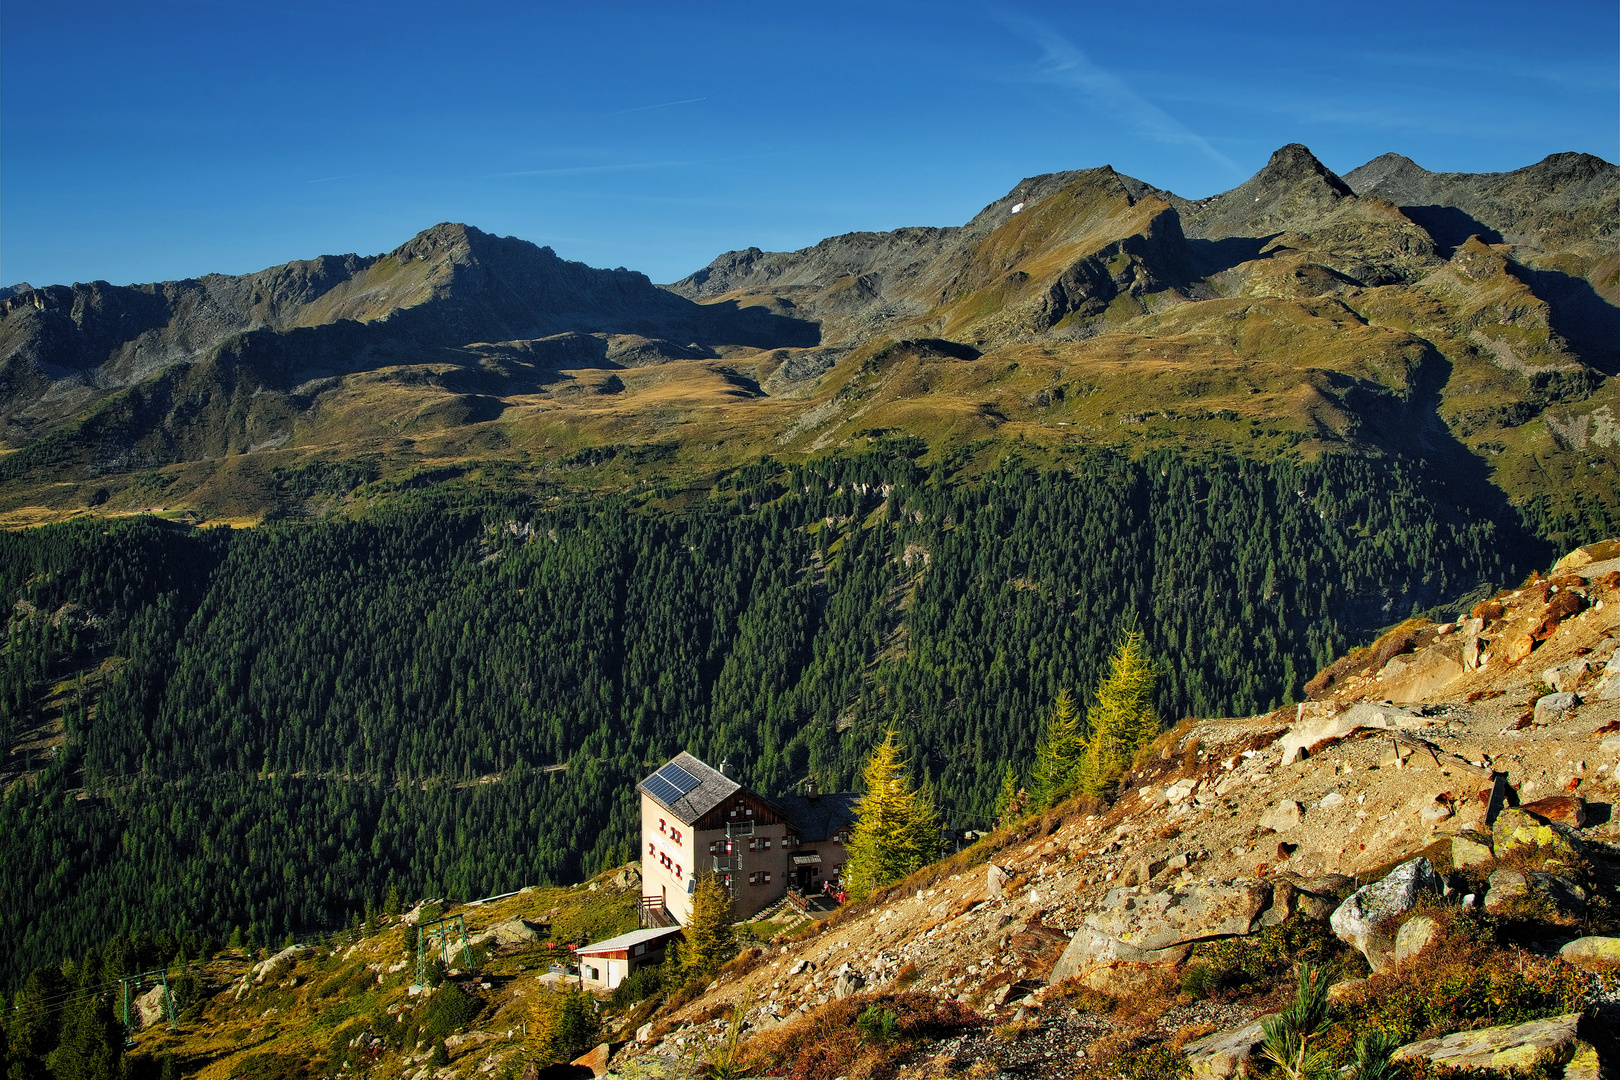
point(1293, 189)
point(1294, 163)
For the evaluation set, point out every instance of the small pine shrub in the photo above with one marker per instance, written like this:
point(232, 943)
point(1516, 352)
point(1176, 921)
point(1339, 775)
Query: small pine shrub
point(877, 1025)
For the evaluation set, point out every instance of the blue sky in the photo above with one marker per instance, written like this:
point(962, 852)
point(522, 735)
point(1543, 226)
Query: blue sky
point(155, 140)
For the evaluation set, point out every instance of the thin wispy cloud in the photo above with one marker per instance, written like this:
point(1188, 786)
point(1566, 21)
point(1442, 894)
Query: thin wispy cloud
point(660, 105)
point(1064, 64)
point(328, 179)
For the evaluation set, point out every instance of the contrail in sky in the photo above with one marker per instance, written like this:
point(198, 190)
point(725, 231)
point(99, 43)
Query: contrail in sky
point(660, 105)
point(578, 170)
point(1063, 63)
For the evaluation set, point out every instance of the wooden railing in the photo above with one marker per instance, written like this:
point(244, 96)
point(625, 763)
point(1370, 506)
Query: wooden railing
point(654, 913)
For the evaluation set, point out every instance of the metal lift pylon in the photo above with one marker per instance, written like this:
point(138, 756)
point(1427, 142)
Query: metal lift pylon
point(441, 929)
point(160, 978)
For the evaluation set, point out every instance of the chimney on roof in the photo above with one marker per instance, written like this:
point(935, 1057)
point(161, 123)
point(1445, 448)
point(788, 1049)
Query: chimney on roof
point(810, 791)
point(725, 770)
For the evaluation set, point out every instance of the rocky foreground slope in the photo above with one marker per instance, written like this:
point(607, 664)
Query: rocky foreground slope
point(1081, 937)
point(1433, 829)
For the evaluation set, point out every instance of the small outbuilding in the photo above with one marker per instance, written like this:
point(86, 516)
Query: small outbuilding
point(608, 963)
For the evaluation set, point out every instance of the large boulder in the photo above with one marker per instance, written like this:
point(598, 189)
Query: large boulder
point(1163, 920)
point(1313, 730)
point(595, 1060)
point(1499, 1049)
point(151, 1007)
point(1130, 932)
point(1423, 675)
point(1360, 920)
point(515, 932)
point(1221, 1055)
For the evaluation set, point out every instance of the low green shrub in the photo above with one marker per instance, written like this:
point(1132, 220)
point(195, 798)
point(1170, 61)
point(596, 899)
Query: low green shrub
point(449, 1009)
point(1260, 962)
point(643, 983)
point(1464, 979)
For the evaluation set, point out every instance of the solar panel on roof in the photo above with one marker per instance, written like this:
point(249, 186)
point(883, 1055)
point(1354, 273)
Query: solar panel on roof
point(661, 789)
point(681, 780)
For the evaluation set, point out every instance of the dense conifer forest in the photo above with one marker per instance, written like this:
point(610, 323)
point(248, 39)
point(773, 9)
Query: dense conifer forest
point(268, 728)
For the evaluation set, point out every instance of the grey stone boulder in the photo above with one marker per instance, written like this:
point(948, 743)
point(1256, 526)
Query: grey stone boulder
point(1162, 920)
point(1498, 1049)
point(1090, 949)
point(1133, 928)
point(1358, 921)
point(150, 1007)
point(1552, 708)
point(515, 932)
point(847, 984)
point(995, 881)
point(1222, 1054)
point(1505, 886)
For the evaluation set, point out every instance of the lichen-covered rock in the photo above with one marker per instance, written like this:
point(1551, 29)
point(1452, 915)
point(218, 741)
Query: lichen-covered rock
point(1359, 920)
point(1469, 848)
point(1506, 886)
point(1503, 887)
point(1220, 1055)
point(1600, 954)
point(1521, 828)
point(1414, 936)
point(1563, 809)
point(1499, 1049)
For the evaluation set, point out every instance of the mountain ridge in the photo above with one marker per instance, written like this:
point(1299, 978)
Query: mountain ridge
point(460, 340)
